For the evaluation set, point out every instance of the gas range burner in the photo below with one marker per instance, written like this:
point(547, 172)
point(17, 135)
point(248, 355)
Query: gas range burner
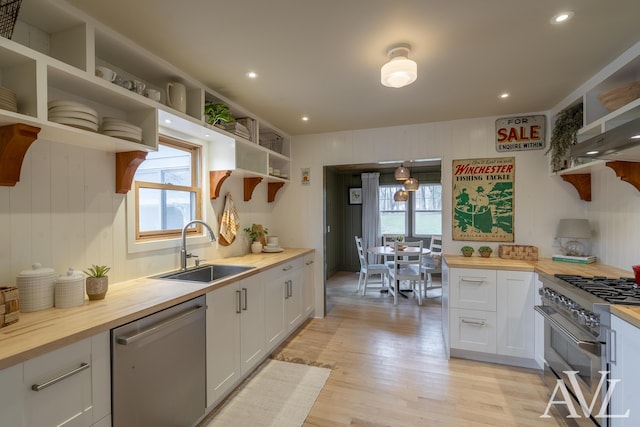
point(621, 290)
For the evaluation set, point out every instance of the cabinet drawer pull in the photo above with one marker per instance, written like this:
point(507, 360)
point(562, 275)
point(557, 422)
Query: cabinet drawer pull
point(82, 367)
point(472, 280)
point(474, 322)
point(309, 262)
point(287, 268)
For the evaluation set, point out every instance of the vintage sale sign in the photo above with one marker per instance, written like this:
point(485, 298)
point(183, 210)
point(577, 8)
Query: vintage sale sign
point(520, 133)
point(483, 199)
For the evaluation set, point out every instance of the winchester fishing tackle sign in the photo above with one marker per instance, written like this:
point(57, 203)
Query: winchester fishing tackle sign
point(520, 133)
point(483, 199)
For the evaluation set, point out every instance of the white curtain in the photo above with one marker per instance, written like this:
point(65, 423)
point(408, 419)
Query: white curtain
point(370, 211)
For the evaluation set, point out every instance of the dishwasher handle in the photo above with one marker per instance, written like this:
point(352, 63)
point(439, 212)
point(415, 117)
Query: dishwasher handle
point(125, 340)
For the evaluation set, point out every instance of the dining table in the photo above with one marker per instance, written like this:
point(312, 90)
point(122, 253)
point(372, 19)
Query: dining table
point(390, 251)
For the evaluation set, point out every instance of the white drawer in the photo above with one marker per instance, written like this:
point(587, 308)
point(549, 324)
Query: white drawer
point(473, 330)
point(473, 289)
point(66, 402)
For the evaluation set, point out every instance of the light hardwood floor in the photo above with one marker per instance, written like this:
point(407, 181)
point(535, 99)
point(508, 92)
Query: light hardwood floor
point(390, 369)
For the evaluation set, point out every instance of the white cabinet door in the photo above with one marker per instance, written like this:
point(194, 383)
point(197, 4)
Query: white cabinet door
point(274, 298)
point(101, 376)
point(624, 362)
point(293, 301)
point(66, 402)
point(252, 342)
point(473, 330)
point(309, 285)
point(515, 320)
point(473, 289)
point(11, 400)
point(223, 341)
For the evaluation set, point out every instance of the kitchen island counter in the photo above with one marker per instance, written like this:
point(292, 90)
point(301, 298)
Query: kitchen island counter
point(40, 332)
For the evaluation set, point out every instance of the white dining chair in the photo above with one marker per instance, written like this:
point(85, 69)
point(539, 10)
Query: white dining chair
point(389, 240)
point(367, 269)
point(406, 266)
point(432, 263)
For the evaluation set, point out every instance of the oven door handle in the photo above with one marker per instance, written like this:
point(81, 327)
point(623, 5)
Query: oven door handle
point(589, 346)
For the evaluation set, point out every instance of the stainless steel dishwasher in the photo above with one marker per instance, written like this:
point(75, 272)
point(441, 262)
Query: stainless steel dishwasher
point(158, 368)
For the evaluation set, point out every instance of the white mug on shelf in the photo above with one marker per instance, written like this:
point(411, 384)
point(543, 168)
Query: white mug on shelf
point(106, 73)
point(153, 94)
point(177, 96)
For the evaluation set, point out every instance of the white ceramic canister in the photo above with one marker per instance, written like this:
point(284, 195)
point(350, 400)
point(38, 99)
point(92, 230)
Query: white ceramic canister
point(36, 288)
point(69, 289)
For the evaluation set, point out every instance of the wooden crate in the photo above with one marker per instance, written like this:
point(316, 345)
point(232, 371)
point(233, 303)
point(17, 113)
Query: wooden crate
point(9, 305)
point(523, 252)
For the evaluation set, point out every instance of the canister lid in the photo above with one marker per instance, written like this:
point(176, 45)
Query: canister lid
point(70, 276)
point(37, 270)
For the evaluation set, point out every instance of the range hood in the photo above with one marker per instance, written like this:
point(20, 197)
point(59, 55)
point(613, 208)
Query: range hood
point(619, 143)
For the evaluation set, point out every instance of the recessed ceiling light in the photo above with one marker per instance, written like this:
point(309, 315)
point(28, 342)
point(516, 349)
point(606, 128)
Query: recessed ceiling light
point(592, 153)
point(504, 95)
point(305, 118)
point(207, 135)
point(252, 74)
point(562, 17)
point(167, 120)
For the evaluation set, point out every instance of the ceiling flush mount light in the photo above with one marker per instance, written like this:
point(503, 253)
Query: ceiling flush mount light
point(252, 75)
point(305, 118)
point(400, 70)
point(504, 95)
point(401, 196)
point(562, 17)
point(402, 173)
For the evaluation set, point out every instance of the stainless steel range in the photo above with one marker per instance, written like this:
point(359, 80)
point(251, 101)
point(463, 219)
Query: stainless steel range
point(577, 334)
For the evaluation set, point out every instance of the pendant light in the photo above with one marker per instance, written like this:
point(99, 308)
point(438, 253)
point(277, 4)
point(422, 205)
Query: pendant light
point(402, 173)
point(401, 196)
point(411, 184)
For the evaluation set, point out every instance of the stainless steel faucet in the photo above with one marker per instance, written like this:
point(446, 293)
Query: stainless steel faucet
point(183, 252)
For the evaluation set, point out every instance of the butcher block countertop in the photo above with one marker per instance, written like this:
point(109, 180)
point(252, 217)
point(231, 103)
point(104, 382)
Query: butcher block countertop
point(549, 267)
point(39, 332)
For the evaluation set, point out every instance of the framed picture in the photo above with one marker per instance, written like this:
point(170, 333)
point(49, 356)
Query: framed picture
point(355, 195)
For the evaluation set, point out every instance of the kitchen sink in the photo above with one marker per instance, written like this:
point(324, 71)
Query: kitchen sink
point(206, 273)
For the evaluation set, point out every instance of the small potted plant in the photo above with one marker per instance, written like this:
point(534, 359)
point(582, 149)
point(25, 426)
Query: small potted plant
point(217, 113)
point(97, 282)
point(256, 233)
point(485, 251)
point(466, 250)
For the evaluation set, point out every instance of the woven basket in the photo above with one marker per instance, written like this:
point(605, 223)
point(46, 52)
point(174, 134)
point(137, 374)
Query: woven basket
point(620, 96)
point(523, 252)
point(9, 305)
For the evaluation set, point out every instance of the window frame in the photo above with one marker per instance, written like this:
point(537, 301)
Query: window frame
point(414, 210)
point(195, 188)
point(406, 210)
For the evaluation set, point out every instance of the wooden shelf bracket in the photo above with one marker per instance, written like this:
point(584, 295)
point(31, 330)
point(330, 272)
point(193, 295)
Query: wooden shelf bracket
point(273, 189)
point(627, 172)
point(250, 184)
point(582, 183)
point(15, 140)
point(216, 178)
point(126, 165)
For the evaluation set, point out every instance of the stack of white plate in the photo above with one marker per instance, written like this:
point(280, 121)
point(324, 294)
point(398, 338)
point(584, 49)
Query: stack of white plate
point(121, 129)
point(74, 114)
point(8, 100)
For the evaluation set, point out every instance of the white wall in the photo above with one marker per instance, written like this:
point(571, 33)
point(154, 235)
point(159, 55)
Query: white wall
point(541, 199)
point(64, 212)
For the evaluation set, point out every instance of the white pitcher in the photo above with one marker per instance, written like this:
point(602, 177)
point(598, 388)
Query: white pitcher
point(177, 96)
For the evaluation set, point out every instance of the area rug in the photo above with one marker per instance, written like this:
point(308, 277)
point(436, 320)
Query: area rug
point(280, 394)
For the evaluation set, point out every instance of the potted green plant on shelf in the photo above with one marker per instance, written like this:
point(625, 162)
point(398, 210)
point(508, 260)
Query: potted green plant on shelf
point(97, 282)
point(485, 251)
point(466, 250)
point(217, 112)
point(564, 135)
point(256, 233)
